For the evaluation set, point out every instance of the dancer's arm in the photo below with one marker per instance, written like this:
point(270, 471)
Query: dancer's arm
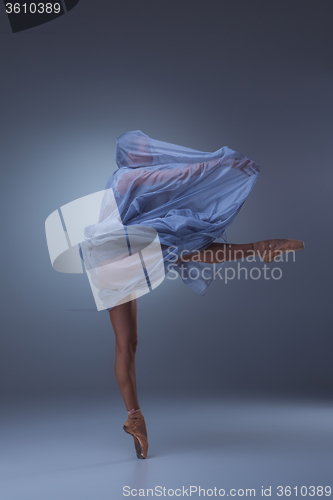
point(151, 177)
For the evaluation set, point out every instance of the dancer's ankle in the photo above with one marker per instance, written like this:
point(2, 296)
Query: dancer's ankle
point(133, 411)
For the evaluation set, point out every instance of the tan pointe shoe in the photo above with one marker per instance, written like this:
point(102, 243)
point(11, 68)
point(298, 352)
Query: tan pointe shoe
point(136, 426)
point(270, 249)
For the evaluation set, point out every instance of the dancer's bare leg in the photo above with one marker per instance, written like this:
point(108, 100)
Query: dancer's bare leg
point(124, 322)
point(125, 325)
point(224, 252)
point(220, 252)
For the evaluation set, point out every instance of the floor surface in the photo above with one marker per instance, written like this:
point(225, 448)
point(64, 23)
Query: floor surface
point(78, 450)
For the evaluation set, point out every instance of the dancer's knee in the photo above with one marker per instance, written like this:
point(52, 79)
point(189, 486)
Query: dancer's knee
point(127, 346)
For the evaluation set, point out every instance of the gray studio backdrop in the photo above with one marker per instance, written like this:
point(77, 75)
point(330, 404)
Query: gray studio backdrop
point(256, 76)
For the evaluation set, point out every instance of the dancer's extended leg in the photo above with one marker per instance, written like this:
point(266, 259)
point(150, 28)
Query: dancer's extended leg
point(224, 252)
point(219, 252)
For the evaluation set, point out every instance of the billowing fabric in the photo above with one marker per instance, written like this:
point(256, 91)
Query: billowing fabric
point(122, 262)
point(188, 196)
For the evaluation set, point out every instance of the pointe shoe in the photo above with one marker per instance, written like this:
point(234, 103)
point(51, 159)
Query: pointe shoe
point(136, 426)
point(270, 249)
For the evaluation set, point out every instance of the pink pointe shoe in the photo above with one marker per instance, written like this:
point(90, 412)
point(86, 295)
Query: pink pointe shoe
point(268, 250)
point(136, 426)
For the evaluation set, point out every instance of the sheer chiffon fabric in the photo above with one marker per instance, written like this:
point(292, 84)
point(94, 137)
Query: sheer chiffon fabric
point(189, 197)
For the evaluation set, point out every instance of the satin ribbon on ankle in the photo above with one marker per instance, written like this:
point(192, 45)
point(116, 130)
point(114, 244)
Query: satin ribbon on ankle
point(133, 411)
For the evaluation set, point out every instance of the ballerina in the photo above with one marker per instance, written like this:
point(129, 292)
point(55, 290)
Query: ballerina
point(189, 197)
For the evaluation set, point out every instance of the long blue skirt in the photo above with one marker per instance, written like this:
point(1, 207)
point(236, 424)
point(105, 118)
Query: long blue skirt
point(189, 197)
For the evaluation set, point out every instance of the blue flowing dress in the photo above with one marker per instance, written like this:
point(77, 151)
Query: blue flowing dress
point(188, 196)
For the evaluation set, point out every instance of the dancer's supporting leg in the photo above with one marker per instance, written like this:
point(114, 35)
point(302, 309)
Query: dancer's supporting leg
point(124, 322)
